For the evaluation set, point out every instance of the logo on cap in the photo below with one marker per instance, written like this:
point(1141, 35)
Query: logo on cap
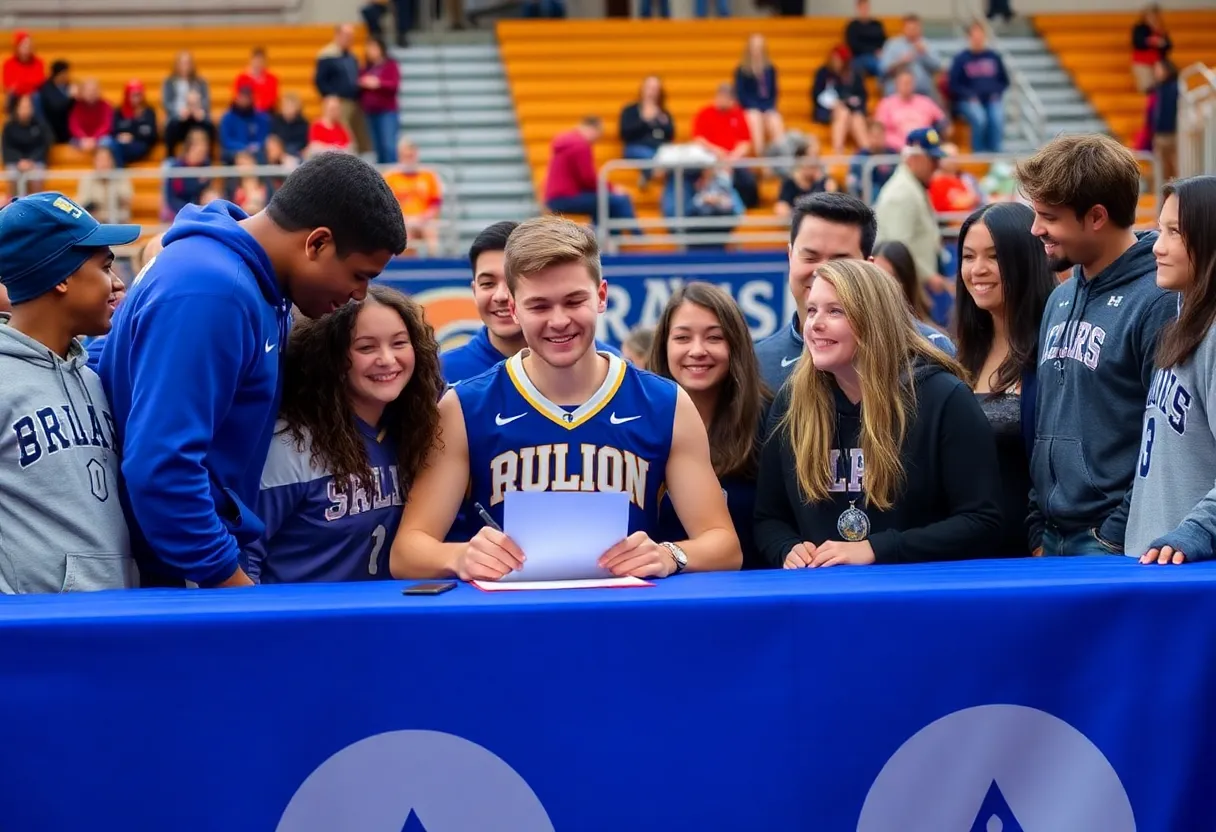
point(68, 207)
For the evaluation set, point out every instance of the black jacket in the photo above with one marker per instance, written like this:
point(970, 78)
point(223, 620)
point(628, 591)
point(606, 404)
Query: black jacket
point(26, 141)
point(636, 130)
point(947, 509)
point(56, 104)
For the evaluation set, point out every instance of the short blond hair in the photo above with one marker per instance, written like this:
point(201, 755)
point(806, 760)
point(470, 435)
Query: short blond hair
point(547, 241)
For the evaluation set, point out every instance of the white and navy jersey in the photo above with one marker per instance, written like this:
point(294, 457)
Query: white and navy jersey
point(618, 440)
point(319, 529)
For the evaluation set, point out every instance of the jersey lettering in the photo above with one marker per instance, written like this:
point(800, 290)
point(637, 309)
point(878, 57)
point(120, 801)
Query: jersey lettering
point(1080, 341)
point(850, 480)
point(1171, 398)
point(552, 467)
point(46, 432)
point(353, 499)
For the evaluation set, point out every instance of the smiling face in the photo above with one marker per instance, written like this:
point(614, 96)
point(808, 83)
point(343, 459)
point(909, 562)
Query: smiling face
point(92, 293)
point(1067, 238)
point(829, 336)
point(1174, 268)
point(981, 272)
point(557, 309)
point(320, 281)
point(698, 354)
point(381, 358)
point(818, 241)
point(492, 296)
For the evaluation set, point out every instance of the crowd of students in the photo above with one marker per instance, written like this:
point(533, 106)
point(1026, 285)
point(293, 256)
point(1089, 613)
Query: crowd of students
point(223, 445)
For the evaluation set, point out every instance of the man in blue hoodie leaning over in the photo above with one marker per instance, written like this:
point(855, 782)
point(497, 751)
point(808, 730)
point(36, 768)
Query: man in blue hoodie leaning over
point(192, 366)
point(1096, 343)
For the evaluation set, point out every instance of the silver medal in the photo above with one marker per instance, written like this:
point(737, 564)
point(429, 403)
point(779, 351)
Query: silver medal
point(853, 524)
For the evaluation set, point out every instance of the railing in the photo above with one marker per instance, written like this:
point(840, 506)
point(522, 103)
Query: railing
point(446, 222)
point(1028, 111)
point(681, 229)
point(1196, 120)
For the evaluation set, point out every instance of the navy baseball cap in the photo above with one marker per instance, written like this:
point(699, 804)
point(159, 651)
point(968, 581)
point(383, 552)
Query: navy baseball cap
point(927, 141)
point(45, 238)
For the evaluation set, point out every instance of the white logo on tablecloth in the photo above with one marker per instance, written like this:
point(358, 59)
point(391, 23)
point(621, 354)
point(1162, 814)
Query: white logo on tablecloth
point(997, 768)
point(446, 783)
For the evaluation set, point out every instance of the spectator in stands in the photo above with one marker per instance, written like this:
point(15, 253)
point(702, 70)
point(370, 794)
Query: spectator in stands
point(1164, 116)
point(64, 528)
point(103, 195)
point(708, 193)
point(23, 71)
point(873, 396)
point(894, 258)
point(134, 131)
point(419, 192)
point(701, 8)
point(807, 177)
point(838, 98)
point(907, 110)
point(1004, 282)
point(876, 145)
point(360, 412)
point(188, 190)
point(91, 118)
point(243, 128)
point(702, 343)
point(636, 347)
point(646, 125)
point(1096, 352)
point(379, 81)
point(26, 142)
point(404, 14)
point(337, 75)
point(251, 194)
point(55, 98)
point(977, 87)
point(179, 84)
point(722, 129)
point(1150, 44)
point(329, 133)
point(263, 82)
point(571, 184)
point(196, 118)
point(865, 38)
point(910, 51)
point(952, 189)
point(905, 213)
point(291, 127)
point(756, 89)
point(647, 7)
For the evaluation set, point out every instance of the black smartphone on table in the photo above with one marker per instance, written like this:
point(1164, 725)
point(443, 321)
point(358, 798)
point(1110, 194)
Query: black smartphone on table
point(429, 588)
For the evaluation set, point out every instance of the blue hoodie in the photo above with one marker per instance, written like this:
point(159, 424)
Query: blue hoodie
point(192, 370)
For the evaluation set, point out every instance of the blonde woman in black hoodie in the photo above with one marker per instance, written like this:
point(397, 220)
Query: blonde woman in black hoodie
point(876, 397)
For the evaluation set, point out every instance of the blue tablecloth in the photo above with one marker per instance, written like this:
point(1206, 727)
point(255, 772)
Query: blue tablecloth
point(1056, 695)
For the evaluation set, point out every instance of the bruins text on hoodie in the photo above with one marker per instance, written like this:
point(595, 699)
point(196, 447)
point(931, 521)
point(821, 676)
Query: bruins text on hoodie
point(192, 371)
point(61, 522)
point(947, 509)
point(1096, 350)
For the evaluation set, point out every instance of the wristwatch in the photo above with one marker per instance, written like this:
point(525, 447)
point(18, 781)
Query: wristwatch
point(677, 554)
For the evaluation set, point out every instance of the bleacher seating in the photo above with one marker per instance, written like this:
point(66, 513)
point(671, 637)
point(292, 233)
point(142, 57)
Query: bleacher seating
point(1096, 50)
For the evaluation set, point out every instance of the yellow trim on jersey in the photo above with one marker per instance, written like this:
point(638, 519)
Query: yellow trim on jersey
point(559, 415)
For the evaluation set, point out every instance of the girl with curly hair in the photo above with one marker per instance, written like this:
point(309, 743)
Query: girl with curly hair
point(360, 410)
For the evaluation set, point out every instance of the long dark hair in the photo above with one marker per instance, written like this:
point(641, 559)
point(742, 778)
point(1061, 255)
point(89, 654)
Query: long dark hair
point(1026, 282)
point(901, 260)
point(316, 404)
point(734, 433)
point(1196, 220)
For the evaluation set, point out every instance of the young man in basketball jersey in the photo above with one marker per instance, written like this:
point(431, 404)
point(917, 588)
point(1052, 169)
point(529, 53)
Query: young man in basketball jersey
point(561, 415)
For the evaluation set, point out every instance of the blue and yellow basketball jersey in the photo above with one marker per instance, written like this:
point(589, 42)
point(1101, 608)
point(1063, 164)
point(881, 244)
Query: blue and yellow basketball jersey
point(618, 440)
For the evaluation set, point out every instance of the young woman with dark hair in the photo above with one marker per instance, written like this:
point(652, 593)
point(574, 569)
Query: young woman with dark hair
point(894, 258)
point(702, 343)
point(360, 411)
point(1173, 510)
point(1005, 281)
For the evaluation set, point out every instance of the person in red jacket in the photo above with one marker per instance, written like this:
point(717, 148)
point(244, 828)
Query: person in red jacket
point(91, 119)
point(23, 70)
point(721, 128)
point(571, 184)
point(263, 82)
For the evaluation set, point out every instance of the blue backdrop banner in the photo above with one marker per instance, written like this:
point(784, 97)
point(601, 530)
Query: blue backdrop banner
point(1054, 695)
point(639, 286)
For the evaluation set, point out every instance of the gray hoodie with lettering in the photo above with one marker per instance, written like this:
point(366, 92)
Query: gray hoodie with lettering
point(61, 524)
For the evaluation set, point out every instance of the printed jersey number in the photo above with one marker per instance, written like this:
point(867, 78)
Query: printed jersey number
point(378, 535)
point(1146, 455)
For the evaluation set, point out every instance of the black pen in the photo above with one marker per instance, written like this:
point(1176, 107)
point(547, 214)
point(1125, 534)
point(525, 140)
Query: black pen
point(486, 518)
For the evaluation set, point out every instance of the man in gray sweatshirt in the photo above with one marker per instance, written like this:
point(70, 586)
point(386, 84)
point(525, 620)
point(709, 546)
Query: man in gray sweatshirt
point(61, 524)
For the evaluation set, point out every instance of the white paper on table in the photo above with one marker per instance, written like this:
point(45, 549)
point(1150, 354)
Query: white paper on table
point(594, 583)
point(563, 533)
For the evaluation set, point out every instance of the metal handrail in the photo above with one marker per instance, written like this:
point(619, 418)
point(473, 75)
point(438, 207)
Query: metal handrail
point(446, 221)
point(1031, 115)
point(1196, 120)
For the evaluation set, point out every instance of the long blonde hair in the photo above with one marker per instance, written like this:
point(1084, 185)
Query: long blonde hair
point(888, 347)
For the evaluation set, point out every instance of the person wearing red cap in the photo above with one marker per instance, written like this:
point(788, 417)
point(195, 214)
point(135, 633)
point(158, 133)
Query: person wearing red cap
point(23, 70)
point(134, 131)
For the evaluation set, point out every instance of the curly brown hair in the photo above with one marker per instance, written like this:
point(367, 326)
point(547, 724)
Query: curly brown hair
point(316, 405)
